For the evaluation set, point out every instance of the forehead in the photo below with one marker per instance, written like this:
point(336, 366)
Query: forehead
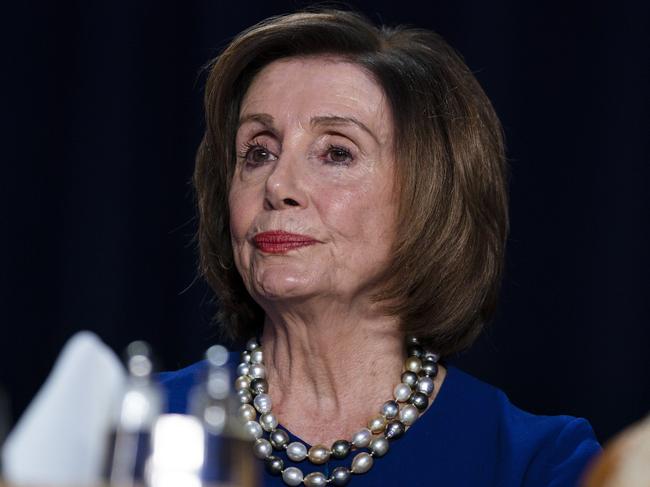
point(310, 86)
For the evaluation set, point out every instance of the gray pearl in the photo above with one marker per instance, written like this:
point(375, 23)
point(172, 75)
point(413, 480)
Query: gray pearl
point(292, 476)
point(341, 449)
point(361, 463)
point(434, 357)
point(361, 439)
point(379, 446)
point(262, 448)
point(253, 429)
point(415, 351)
point(340, 476)
point(245, 396)
point(247, 412)
point(419, 400)
point(409, 414)
point(268, 421)
point(279, 438)
point(296, 451)
point(274, 465)
point(394, 430)
point(257, 371)
point(390, 409)
point(315, 479)
point(243, 369)
point(402, 392)
point(246, 357)
point(412, 340)
point(252, 344)
point(425, 385)
point(259, 386)
point(262, 403)
point(430, 368)
point(410, 378)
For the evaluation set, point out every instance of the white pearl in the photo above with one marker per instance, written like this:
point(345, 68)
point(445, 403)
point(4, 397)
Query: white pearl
point(257, 371)
point(408, 414)
point(247, 412)
point(246, 357)
point(243, 369)
point(402, 392)
point(262, 403)
point(361, 463)
point(425, 385)
point(268, 421)
point(262, 448)
point(292, 476)
point(361, 439)
point(296, 451)
point(242, 382)
point(256, 356)
point(253, 429)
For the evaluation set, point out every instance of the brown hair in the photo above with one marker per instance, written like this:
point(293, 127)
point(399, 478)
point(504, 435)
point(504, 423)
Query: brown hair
point(445, 274)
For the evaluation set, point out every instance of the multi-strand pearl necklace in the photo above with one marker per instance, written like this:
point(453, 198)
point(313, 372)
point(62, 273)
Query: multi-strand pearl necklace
point(411, 398)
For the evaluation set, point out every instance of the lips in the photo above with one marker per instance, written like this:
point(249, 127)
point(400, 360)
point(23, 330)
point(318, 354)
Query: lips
point(279, 242)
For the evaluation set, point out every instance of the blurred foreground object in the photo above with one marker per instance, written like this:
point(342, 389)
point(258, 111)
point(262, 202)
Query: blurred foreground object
point(625, 461)
point(209, 446)
point(60, 439)
point(90, 422)
point(139, 407)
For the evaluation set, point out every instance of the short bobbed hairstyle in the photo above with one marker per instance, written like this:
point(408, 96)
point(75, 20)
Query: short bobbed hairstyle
point(451, 173)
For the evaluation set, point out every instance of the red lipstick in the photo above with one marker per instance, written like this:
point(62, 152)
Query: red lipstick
point(278, 242)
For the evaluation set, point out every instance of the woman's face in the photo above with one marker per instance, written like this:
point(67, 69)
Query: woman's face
point(312, 211)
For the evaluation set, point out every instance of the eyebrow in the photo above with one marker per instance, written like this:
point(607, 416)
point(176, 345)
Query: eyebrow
point(338, 120)
point(328, 120)
point(261, 118)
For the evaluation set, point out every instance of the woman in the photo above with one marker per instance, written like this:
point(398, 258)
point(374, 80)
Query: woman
point(351, 188)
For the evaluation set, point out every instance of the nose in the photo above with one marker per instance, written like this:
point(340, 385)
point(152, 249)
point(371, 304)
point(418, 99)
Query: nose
point(284, 185)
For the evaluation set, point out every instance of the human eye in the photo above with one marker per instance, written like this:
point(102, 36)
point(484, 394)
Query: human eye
point(255, 153)
point(338, 155)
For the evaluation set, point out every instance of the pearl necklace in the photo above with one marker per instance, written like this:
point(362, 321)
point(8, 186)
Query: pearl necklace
point(411, 398)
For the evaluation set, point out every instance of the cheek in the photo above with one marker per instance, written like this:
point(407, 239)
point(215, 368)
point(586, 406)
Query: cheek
point(358, 214)
point(240, 208)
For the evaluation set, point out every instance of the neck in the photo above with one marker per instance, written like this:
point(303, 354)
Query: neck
point(330, 372)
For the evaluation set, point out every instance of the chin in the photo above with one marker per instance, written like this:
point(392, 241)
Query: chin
point(277, 284)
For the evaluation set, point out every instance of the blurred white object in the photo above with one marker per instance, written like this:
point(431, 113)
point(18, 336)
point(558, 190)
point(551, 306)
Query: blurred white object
point(178, 452)
point(61, 437)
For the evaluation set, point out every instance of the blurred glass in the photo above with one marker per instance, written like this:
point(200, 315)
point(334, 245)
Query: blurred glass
point(135, 416)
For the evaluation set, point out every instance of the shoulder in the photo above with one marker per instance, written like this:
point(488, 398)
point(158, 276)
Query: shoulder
point(529, 449)
point(178, 384)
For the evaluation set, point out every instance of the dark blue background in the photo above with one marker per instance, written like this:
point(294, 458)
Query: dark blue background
point(101, 116)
